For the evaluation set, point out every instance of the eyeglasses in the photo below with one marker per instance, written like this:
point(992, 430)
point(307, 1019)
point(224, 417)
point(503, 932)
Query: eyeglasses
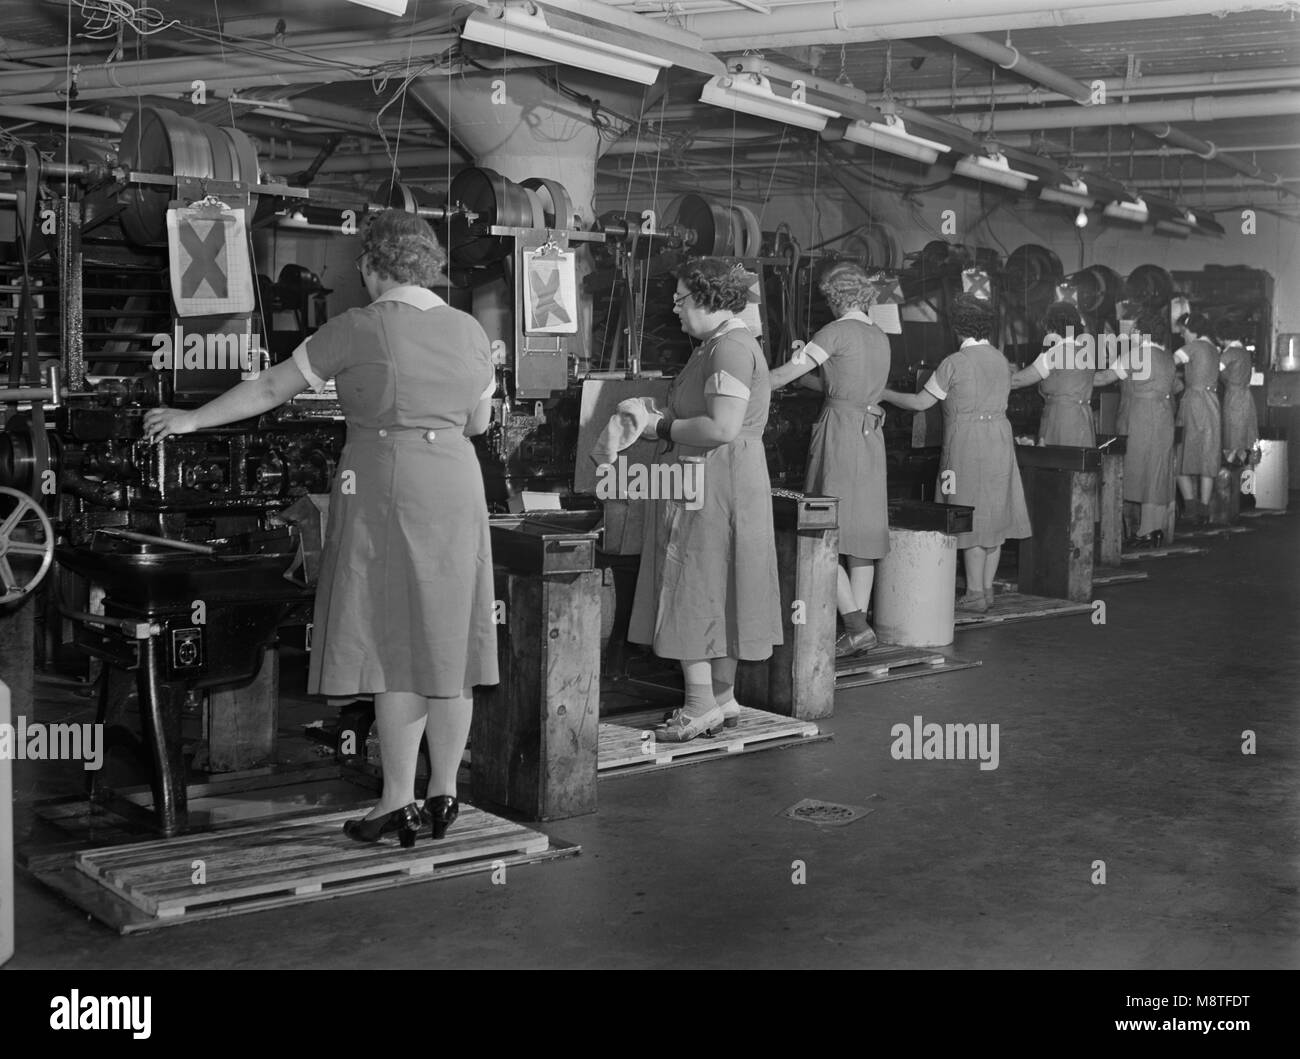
point(680, 299)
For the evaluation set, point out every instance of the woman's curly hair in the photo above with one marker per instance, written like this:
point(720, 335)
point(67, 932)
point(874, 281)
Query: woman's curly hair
point(1197, 323)
point(972, 317)
point(402, 247)
point(1062, 316)
point(1153, 323)
point(1235, 329)
point(848, 286)
point(717, 284)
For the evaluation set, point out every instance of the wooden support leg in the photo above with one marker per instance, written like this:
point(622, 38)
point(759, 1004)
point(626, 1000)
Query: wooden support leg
point(1171, 521)
point(1111, 509)
point(242, 722)
point(799, 679)
point(1057, 560)
point(535, 736)
point(6, 837)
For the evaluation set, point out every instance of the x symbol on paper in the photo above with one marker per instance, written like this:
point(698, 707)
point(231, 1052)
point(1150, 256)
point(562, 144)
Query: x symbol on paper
point(546, 298)
point(205, 264)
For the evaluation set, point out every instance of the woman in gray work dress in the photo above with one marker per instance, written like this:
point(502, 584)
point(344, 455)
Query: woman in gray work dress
point(707, 592)
point(405, 597)
point(846, 456)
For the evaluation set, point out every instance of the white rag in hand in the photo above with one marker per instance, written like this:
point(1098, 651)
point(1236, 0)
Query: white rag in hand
point(625, 426)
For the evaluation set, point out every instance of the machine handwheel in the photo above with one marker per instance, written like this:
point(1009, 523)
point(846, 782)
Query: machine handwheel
point(26, 534)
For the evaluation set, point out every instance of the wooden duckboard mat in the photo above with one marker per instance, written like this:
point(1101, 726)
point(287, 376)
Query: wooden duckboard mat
point(1116, 575)
point(1210, 532)
point(1018, 606)
point(887, 662)
point(1256, 512)
point(625, 746)
point(1169, 551)
point(60, 874)
point(260, 867)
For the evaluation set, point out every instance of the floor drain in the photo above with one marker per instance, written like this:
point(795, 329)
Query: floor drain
point(815, 811)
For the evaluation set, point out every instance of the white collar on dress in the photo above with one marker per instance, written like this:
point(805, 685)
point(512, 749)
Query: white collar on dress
point(408, 294)
point(1234, 342)
point(856, 314)
point(975, 342)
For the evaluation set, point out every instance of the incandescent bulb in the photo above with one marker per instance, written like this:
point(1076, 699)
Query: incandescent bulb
point(1081, 218)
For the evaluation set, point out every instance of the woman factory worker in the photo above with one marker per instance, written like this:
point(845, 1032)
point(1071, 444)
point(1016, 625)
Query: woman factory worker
point(1200, 417)
point(1148, 383)
point(707, 591)
point(846, 457)
point(977, 467)
point(1064, 373)
point(1240, 424)
point(404, 601)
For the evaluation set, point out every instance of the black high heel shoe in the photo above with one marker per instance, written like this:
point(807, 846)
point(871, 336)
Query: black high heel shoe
point(405, 821)
point(441, 813)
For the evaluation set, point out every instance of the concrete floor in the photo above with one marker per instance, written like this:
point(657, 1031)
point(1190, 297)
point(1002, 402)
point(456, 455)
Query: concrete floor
point(1119, 742)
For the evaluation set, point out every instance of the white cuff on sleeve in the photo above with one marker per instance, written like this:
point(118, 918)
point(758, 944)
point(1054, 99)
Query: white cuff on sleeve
point(933, 386)
point(720, 384)
point(815, 353)
point(304, 366)
point(1181, 357)
point(1043, 363)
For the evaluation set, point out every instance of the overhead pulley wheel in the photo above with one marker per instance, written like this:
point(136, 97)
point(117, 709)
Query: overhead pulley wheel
point(26, 545)
point(493, 200)
point(557, 206)
point(162, 141)
point(1149, 285)
point(1031, 274)
point(710, 223)
point(396, 196)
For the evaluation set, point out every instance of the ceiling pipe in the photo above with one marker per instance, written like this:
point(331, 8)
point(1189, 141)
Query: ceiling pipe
point(1166, 84)
point(364, 163)
point(1152, 117)
point(834, 22)
point(75, 119)
point(124, 78)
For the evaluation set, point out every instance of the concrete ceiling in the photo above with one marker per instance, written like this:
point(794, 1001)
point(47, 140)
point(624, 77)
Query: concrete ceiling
point(1244, 51)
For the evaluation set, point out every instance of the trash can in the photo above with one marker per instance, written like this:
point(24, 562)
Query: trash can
point(915, 589)
point(1271, 476)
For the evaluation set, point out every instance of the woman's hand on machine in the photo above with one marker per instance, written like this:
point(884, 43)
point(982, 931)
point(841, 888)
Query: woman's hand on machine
point(161, 422)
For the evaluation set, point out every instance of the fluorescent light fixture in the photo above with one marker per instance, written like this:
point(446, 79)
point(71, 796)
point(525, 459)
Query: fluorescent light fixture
point(391, 7)
point(753, 94)
point(1075, 193)
point(993, 169)
point(516, 29)
point(891, 135)
point(1133, 212)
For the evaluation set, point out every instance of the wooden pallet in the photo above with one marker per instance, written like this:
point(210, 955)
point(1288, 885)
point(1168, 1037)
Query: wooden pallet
point(1169, 551)
point(1116, 575)
point(627, 742)
point(271, 865)
point(1018, 606)
point(1212, 532)
point(60, 874)
point(888, 662)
